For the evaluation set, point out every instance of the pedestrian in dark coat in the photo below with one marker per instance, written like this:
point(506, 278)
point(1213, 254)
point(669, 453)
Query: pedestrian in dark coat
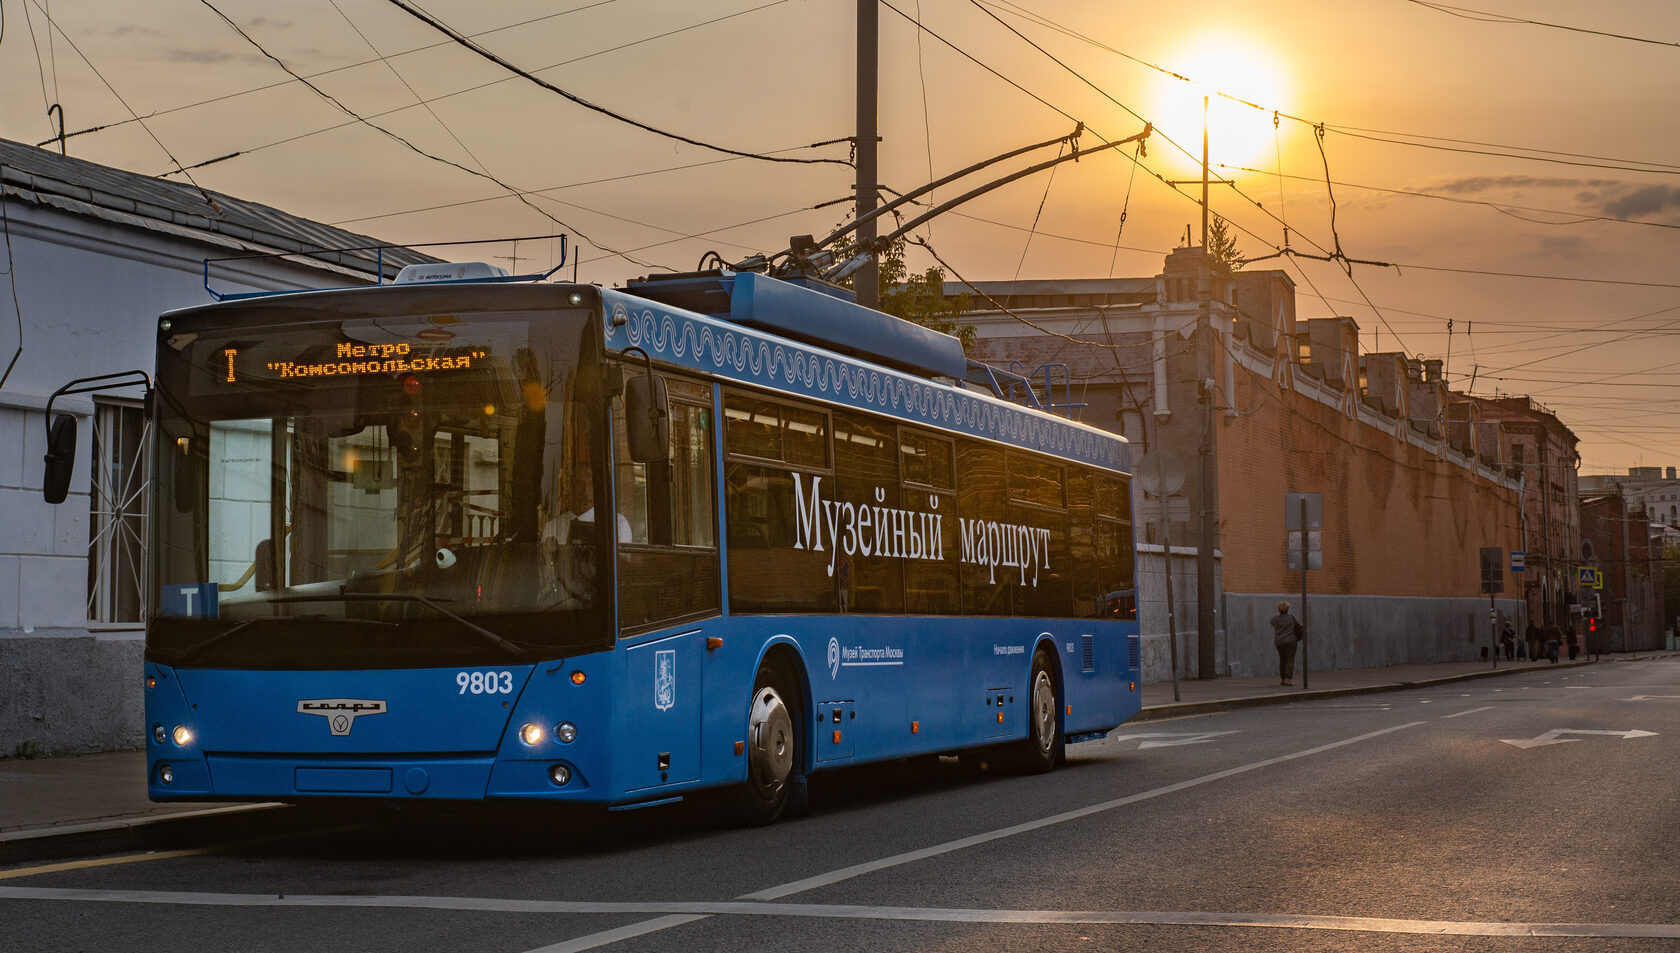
point(1554, 641)
point(1286, 633)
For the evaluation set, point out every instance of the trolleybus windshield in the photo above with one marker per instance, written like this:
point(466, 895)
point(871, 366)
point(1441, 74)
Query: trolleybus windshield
point(379, 491)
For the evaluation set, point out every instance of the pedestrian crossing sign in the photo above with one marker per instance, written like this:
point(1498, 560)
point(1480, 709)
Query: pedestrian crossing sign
point(1588, 577)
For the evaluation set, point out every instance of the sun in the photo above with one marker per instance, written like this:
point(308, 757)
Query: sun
point(1224, 69)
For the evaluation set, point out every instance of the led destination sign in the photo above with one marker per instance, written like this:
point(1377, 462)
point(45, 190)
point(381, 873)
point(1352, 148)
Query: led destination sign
point(348, 359)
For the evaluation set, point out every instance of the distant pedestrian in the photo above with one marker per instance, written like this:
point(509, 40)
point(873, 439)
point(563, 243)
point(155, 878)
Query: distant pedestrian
point(1286, 632)
point(1554, 640)
point(1569, 640)
point(1508, 640)
point(1531, 641)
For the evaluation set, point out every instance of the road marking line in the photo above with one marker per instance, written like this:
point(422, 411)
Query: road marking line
point(1555, 736)
point(676, 913)
point(896, 860)
point(1470, 711)
point(101, 862)
point(691, 913)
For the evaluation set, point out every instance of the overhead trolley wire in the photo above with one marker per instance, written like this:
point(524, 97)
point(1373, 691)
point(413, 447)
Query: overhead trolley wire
point(1483, 16)
point(1502, 207)
point(1631, 165)
point(52, 26)
point(467, 42)
point(406, 143)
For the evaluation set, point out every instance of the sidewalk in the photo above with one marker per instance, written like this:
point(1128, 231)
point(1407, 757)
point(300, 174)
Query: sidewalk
point(77, 805)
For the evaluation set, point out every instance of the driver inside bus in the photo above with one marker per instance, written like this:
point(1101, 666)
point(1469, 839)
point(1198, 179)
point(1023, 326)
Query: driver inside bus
point(568, 544)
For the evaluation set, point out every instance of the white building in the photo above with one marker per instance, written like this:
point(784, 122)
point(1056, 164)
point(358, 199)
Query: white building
point(1648, 488)
point(91, 256)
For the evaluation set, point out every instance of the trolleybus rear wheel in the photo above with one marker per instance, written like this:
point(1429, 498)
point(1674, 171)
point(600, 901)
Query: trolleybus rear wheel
point(772, 749)
point(1043, 745)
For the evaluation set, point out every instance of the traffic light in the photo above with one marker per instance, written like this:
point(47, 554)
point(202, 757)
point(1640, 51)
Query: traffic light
point(1592, 625)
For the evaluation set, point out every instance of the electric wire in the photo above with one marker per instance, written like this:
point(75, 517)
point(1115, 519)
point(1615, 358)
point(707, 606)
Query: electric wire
point(1125, 207)
point(421, 49)
point(1483, 16)
point(997, 305)
point(927, 123)
point(1536, 154)
point(53, 26)
point(420, 101)
point(334, 101)
point(1502, 207)
point(468, 43)
point(554, 188)
point(461, 92)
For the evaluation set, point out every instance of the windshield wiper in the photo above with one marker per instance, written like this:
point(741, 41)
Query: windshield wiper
point(193, 651)
point(509, 647)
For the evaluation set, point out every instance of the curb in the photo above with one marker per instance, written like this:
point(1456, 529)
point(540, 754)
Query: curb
point(1187, 709)
point(165, 831)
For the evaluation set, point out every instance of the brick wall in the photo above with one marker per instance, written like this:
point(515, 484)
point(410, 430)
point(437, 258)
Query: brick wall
point(1399, 519)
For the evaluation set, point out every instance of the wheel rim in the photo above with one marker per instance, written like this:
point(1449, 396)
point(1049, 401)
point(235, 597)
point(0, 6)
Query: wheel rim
point(1044, 712)
point(769, 743)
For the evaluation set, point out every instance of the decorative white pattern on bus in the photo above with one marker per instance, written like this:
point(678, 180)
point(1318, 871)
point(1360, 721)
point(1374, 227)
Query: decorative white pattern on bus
point(701, 343)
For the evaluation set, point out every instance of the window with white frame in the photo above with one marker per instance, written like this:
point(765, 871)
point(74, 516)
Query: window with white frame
point(117, 514)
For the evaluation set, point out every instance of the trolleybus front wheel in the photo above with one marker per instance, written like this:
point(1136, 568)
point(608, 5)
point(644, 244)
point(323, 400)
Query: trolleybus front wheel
point(1043, 745)
point(772, 749)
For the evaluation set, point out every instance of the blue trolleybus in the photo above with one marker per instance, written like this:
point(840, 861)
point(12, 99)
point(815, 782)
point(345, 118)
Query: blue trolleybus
point(482, 539)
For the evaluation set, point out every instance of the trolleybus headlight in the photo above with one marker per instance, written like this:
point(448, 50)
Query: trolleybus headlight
point(531, 734)
point(166, 774)
point(182, 735)
point(560, 774)
point(158, 734)
point(566, 732)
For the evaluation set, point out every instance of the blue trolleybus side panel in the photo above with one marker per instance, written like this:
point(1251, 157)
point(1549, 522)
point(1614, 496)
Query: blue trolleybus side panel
point(379, 573)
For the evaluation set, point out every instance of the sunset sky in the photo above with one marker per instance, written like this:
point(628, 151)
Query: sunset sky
point(1522, 178)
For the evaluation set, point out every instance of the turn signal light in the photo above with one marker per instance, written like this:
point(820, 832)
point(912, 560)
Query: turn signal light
point(578, 678)
point(531, 734)
point(182, 735)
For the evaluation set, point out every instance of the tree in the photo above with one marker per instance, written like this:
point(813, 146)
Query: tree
point(1222, 245)
point(917, 297)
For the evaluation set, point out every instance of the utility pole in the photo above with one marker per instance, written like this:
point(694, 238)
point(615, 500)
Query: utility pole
point(1206, 344)
point(866, 280)
point(1205, 625)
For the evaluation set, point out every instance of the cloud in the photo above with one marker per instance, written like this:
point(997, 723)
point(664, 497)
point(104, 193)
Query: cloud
point(197, 56)
point(1611, 198)
point(1563, 246)
point(1488, 183)
point(1643, 201)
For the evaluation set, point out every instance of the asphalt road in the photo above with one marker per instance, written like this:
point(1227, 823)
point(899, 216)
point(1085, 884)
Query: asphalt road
point(1405, 821)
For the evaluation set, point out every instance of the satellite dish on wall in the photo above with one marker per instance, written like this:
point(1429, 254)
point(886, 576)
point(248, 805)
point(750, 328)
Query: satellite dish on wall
point(1159, 472)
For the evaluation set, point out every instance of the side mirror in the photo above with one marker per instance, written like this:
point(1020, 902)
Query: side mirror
point(647, 417)
point(60, 458)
